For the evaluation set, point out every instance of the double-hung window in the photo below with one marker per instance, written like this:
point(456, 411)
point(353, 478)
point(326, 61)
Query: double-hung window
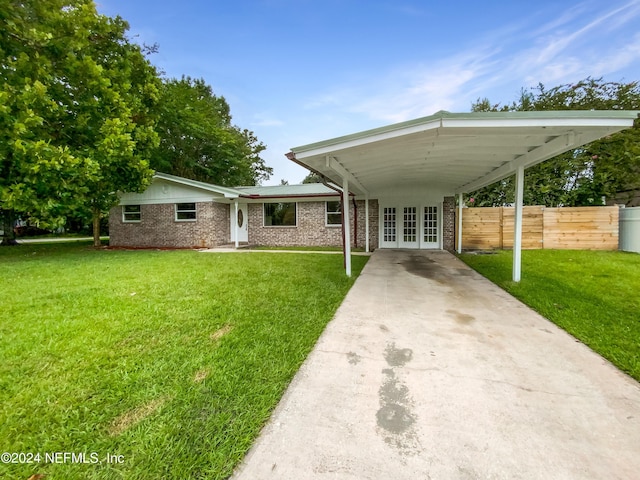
point(131, 213)
point(333, 214)
point(185, 212)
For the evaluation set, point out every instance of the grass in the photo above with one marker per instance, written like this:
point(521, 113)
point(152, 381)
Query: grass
point(173, 360)
point(593, 295)
point(308, 249)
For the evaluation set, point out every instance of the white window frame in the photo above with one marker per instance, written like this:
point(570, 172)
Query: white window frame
point(178, 211)
point(131, 220)
point(264, 216)
point(336, 212)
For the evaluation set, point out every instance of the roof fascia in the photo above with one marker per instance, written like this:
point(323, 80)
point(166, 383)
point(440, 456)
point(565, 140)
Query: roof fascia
point(471, 119)
point(361, 138)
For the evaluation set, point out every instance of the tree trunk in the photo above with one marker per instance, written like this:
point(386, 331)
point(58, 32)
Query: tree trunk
point(8, 236)
point(96, 227)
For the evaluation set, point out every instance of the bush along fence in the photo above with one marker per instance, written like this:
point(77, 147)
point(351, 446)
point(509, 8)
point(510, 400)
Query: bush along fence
point(578, 228)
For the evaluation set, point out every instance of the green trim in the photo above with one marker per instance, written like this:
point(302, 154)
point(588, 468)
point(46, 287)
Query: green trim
point(227, 192)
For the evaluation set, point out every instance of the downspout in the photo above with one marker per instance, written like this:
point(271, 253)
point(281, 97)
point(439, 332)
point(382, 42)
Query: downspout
point(344, 244)
point(366, 223)
point(355, 222)
point(460, 198)
point(235, 225)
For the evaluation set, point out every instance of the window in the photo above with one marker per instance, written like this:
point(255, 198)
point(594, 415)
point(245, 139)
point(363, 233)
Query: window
point(334, 213)
point(131, 213)
point(185, 212)
point(280, 215)
point(389, 223)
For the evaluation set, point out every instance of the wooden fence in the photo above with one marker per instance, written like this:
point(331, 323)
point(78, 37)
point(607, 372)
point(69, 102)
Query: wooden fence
point(581, 228)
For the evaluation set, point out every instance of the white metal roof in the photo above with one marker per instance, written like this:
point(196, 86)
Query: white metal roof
point(460, 152)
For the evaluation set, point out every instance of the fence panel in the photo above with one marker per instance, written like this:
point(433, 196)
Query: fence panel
point(482, 228)
point(581, 228)
point(585, 228)
point(532, 227)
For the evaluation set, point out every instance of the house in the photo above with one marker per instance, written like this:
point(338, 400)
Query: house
point(403, 178)
point(176, 212)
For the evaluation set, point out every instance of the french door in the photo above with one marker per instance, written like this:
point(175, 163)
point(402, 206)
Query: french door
point(410, 226)
point(409, 232)
point(430, 227)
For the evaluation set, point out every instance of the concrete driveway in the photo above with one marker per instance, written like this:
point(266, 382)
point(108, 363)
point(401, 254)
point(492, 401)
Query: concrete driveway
point(429, 371)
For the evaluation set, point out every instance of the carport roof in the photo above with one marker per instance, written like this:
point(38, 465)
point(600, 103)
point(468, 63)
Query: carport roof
point(459, 152)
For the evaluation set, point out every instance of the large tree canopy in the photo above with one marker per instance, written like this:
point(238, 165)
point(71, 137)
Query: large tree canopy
point(76, 101)
point(198, 140)
point(584, 176)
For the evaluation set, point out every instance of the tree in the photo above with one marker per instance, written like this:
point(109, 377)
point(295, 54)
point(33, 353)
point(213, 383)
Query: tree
point(198, 140)
point(312, 178)
point(583, 176)
point(76, 126)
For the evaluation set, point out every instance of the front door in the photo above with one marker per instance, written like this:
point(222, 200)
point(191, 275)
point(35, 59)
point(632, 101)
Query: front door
point(240, 220)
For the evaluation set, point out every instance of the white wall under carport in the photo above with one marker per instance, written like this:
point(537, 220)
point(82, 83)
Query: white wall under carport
point(630, 229)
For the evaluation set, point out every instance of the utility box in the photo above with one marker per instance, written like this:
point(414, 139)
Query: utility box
point(630, 229)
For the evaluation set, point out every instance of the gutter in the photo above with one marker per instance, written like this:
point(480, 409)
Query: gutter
point(292, 156)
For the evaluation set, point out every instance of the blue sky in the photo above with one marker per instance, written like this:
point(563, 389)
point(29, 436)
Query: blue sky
point(300, 71)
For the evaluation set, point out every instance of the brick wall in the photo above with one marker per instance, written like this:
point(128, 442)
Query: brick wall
point(448, 223)
point(158, 228)
point(311, 229)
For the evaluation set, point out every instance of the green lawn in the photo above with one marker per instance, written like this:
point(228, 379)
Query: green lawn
point(172, 360)
point(593, 295)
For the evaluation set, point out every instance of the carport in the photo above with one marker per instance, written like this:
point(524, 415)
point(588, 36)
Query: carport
point(447, 154)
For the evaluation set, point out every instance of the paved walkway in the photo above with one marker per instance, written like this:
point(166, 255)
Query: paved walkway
point(429, 371)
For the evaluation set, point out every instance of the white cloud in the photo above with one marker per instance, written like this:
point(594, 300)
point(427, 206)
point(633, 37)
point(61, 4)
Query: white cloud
point(266, 120)
point(576, 43)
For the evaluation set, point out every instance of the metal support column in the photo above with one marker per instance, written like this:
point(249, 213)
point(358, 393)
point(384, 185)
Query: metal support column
point(517, 228)
point(347, 226)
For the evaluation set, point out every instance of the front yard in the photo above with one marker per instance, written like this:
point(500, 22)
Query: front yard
point(593, 295)
point(151, 364)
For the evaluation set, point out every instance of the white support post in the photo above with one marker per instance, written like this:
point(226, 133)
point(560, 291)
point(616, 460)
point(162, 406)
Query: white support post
point(347, 226)
point(366, 223)
point(460, 223)
point(235, 224)
point(517, 227)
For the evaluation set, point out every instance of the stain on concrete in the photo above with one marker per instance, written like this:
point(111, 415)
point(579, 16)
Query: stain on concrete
point(464, 272)
point(384, 328)
point(397, 357)
point(460, 317)
point(395, 418)
point(353, 358)
point(423, 267)
point(393, 391)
